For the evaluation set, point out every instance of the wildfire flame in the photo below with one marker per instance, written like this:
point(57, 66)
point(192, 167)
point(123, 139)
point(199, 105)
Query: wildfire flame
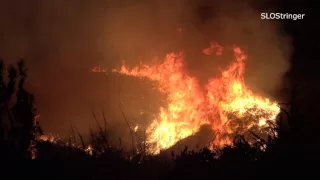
point(225, 103)
point(98, 69)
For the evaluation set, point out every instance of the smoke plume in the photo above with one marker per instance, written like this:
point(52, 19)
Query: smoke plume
point(62, 40)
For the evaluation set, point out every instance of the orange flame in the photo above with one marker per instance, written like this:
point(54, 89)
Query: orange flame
point(227, 105)
point(214, 47)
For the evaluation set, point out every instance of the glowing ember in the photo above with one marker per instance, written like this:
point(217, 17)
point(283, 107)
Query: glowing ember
point(47, 138)
point(62, 142)
point(89, 150)
point(226, 104)
point(98, 69)
point(136, 128)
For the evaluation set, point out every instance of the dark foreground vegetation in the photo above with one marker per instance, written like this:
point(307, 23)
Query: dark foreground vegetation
point(293, 154)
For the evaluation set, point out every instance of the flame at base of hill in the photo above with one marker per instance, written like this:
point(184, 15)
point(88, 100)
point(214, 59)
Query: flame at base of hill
point(225, 103)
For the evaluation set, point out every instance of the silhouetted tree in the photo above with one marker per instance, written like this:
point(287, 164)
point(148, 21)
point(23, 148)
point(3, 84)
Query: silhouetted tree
point(6, 92)
point(23, 111)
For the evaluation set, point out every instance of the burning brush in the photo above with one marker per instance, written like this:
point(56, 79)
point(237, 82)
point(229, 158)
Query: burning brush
point(227, 105)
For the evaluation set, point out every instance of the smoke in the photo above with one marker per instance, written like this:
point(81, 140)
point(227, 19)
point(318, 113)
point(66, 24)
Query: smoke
point(61, 41)
point(152, 28)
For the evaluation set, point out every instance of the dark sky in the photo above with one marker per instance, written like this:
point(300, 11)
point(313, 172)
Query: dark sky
point(304, 71)
point(62, 39)
point(304, 34)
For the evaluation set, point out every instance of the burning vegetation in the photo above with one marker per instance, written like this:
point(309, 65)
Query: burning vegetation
point(225, 103)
